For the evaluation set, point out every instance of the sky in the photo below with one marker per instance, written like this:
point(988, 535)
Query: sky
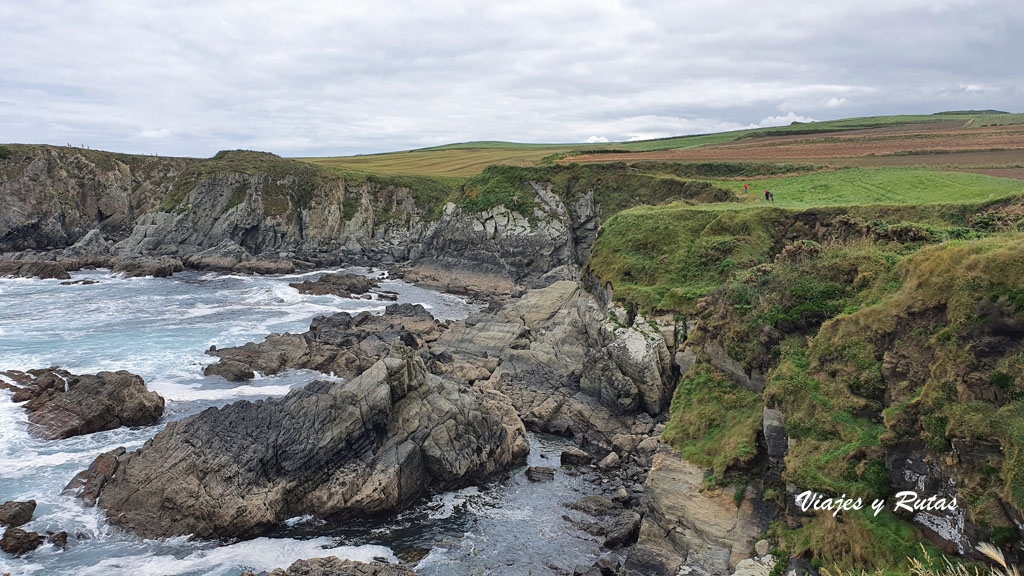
point(318, 78)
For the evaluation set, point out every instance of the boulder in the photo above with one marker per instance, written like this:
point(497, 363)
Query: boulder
point(333, 566)
point(19, 542)
point(776, 440)
point(609, 462)
point(140, 266)
point(59, 539)
point(607, 519)
point(341, 344)
point(61, 404)
point(573, 456)
point(364, 446)
point(540, 473)
point(14, 514)
point(341, 284)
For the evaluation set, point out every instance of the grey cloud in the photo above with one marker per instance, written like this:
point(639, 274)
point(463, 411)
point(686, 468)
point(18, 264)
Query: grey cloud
point(342, 77)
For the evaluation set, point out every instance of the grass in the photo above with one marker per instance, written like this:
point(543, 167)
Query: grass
point(467, 159)
point(859, 186)
point(714, 421)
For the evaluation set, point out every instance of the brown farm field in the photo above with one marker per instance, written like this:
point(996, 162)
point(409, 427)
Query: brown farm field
point(929, 144)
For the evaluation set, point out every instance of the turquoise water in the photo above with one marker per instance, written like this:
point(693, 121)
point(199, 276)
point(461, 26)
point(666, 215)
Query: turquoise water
point(159, 329)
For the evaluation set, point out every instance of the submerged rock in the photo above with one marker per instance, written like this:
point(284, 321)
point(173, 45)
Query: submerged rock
point(364, 446)
point(61, 404)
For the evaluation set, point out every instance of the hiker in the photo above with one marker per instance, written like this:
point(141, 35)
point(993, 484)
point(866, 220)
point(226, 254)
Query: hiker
point(746, 188)
point(766, 194)
point(771, 196)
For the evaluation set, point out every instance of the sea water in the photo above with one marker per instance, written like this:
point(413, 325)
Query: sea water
point(159, 328)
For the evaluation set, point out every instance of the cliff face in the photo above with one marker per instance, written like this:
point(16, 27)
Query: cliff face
point(50, 197)
point(461, 236)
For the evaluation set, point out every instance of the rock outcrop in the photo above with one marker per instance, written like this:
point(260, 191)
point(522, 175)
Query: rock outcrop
point(33, 269)
point(341, 344)
point(688, 524)
point(339, 284)
point(61, 404)
point(333, 566)
point(14, 514)
point(364, 446)
point(18, 542)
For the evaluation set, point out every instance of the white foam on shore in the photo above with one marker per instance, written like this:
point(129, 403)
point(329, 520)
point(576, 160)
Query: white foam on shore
point(261, 554)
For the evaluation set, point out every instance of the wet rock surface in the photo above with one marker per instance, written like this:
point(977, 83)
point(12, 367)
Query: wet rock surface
point(364, 446)
point(333, 566)
point(19, 542)
point(14, 514)
point(341, 284)
point(61, 404)
point(341, 344)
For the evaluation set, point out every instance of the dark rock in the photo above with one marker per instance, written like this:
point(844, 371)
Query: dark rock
point(333, 566)
point(368, 445)
point(61, 404)
point(230, 370)
point(60, 539)
point(573, 456)
point(341, 284)
point(82, 282)
point(340, 344)
point(615, 523)
point(19, 542)
point(540, 474)
point(88, 483)
point(140, 266)
point(14, 514)
point(776, 440)
point(33, 269)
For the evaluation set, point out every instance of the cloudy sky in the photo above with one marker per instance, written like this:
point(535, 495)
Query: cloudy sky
point(343, 77)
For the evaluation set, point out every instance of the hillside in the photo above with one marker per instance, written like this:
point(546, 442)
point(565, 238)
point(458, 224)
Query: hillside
point(873, 312)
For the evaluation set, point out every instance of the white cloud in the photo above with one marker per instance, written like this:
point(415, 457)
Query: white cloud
point(323, 77)
point(783, 120)
point(594, 139)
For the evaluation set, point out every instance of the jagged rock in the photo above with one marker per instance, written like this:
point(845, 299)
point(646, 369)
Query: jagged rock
point(88, 483)
point(224, 256)
point(340, 344)
point(573, 456)
point(91, 251)
point(609, 462)
point(615, 523)
point(750, 567)
point(259, 266)
point(688, 523)
point(19, 542)
point(155, 266)
point(230, 370)
point(61, 404)
point(333, 566)
point(33, 269)
point(14, 513)
point(341, 284)
point(60, 539)
point(540, 474)
point(363, 446)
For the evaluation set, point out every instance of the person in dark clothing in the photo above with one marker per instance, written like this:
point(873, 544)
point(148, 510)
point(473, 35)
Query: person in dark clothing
point(771, 196)
point(766, 193)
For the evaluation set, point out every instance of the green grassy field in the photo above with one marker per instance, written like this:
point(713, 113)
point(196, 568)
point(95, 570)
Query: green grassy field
point(470, 158)
point(860, 186)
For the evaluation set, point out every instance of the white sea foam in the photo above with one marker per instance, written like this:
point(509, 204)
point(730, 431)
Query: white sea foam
point(261, 554)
